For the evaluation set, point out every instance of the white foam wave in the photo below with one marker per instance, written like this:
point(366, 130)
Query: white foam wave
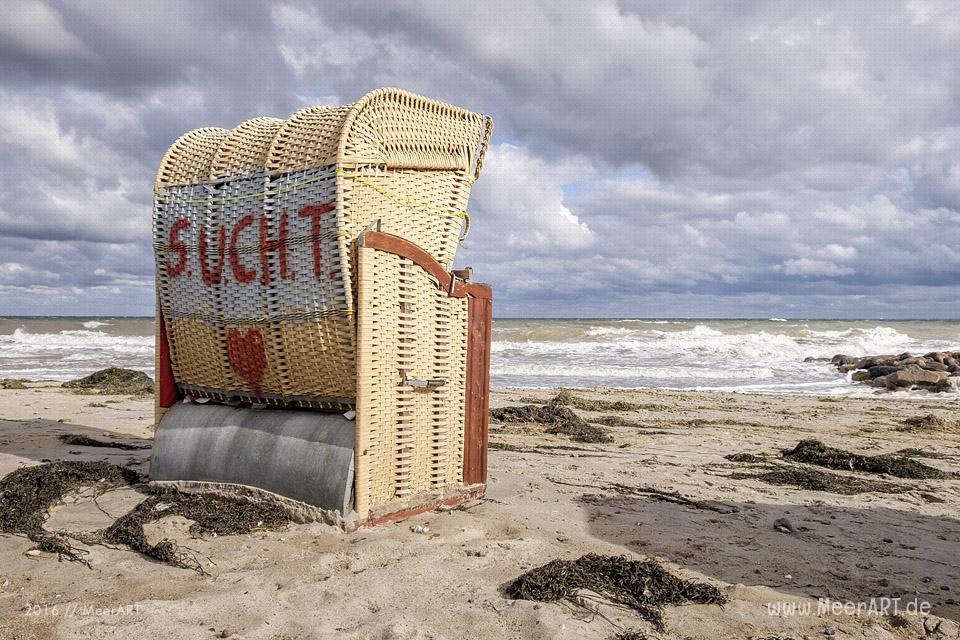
point(70, 354)
point(67, 342)
point(626, 373)
point(93, 324)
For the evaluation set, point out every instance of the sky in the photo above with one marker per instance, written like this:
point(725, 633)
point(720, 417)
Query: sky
point(649, 159)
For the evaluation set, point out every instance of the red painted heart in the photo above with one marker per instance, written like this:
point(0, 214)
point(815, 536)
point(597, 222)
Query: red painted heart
point(248, 356)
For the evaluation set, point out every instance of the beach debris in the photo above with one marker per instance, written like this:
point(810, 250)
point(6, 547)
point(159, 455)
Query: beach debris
point(748, 458)
point(13, 383)
point(815, 452)
point(86, 441)
point(783, 525)
point(562, 421)
point(913, 452)
point(212, 514)
point(929, 422)
point(27, 494)
point(420, 528)
point(566, 398)
point(113, 381)
point(938, 371)
point(631, 634)
point(644, 586)
point(582, 432)
point(815, 480)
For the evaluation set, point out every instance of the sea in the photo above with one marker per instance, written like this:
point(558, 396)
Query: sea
point(756, 356)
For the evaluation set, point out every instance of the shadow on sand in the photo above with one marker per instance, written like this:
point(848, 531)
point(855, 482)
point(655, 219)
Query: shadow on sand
point(38, 440)
point(835, 552)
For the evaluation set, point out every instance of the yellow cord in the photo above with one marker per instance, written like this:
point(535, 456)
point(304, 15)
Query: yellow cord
point(413, 204)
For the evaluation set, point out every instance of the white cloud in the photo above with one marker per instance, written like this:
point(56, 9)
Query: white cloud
point(810, 267)
point(522, 194)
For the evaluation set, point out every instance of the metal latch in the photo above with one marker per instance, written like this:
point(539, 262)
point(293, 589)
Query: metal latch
point(432, 383)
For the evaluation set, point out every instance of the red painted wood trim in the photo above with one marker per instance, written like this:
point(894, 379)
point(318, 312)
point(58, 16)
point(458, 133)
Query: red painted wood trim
point(406, 249)
point(430, 506)
point(477, 418)
point(168, 395)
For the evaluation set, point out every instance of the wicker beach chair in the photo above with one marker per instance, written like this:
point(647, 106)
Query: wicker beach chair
point(304, 272)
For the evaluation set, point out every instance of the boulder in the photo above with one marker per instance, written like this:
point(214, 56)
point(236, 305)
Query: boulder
point(920, 362)
point(933, 365)
point(860, 375)
point(947, 385)
point(873, 361)
point(840, 359)
point(847, 368)
point(881, 370)
point(912, 375)
point(954, 368)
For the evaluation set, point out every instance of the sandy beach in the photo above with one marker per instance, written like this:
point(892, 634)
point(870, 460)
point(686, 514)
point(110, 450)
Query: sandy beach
point(661, 489)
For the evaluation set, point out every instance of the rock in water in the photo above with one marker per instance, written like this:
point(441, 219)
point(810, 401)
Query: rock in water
point(913, 375)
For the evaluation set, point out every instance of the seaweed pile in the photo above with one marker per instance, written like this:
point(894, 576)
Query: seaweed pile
point(928, 423)
point(815, 480)
point(27, 494)
point(113, 381)
point(12, 383)
point(211, 514)
point(815, 452)
point(641, 585)
point(87, 441)
point(562, 421)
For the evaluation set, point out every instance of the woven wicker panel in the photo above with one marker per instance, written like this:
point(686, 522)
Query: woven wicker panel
point(254, 231)
point(189, 158)
point(245, 148)
point(402, 130)
point(409, 440)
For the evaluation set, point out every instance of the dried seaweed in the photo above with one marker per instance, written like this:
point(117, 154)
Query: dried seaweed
point(212, 514)
point(619, 421)
point(644, 586)
point(86, 441)
point(566, 398)
point(814, 480)
point(913, 452)
point(582, 432)
point(749, 458)
point(27, 494)
point(815, 452)
point(539, 414)
point(929, 422)
point(563, 421)
point(13, 383)
point(113, 381)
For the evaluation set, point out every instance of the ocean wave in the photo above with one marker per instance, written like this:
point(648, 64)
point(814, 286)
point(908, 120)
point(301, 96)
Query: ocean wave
point(533, 369)
point(93, 324)
point(67, 342)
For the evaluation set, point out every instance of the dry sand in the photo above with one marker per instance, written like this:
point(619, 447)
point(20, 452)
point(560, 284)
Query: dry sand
point(548, 498)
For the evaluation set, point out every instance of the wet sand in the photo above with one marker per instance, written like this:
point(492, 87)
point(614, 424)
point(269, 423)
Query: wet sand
point(548, 498)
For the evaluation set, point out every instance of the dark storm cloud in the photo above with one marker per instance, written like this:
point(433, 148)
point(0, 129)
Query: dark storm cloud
point(650, 158)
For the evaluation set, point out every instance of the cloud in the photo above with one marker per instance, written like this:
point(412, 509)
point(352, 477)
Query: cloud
point(650, 158)
point(523, 195)
point(810, 267)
